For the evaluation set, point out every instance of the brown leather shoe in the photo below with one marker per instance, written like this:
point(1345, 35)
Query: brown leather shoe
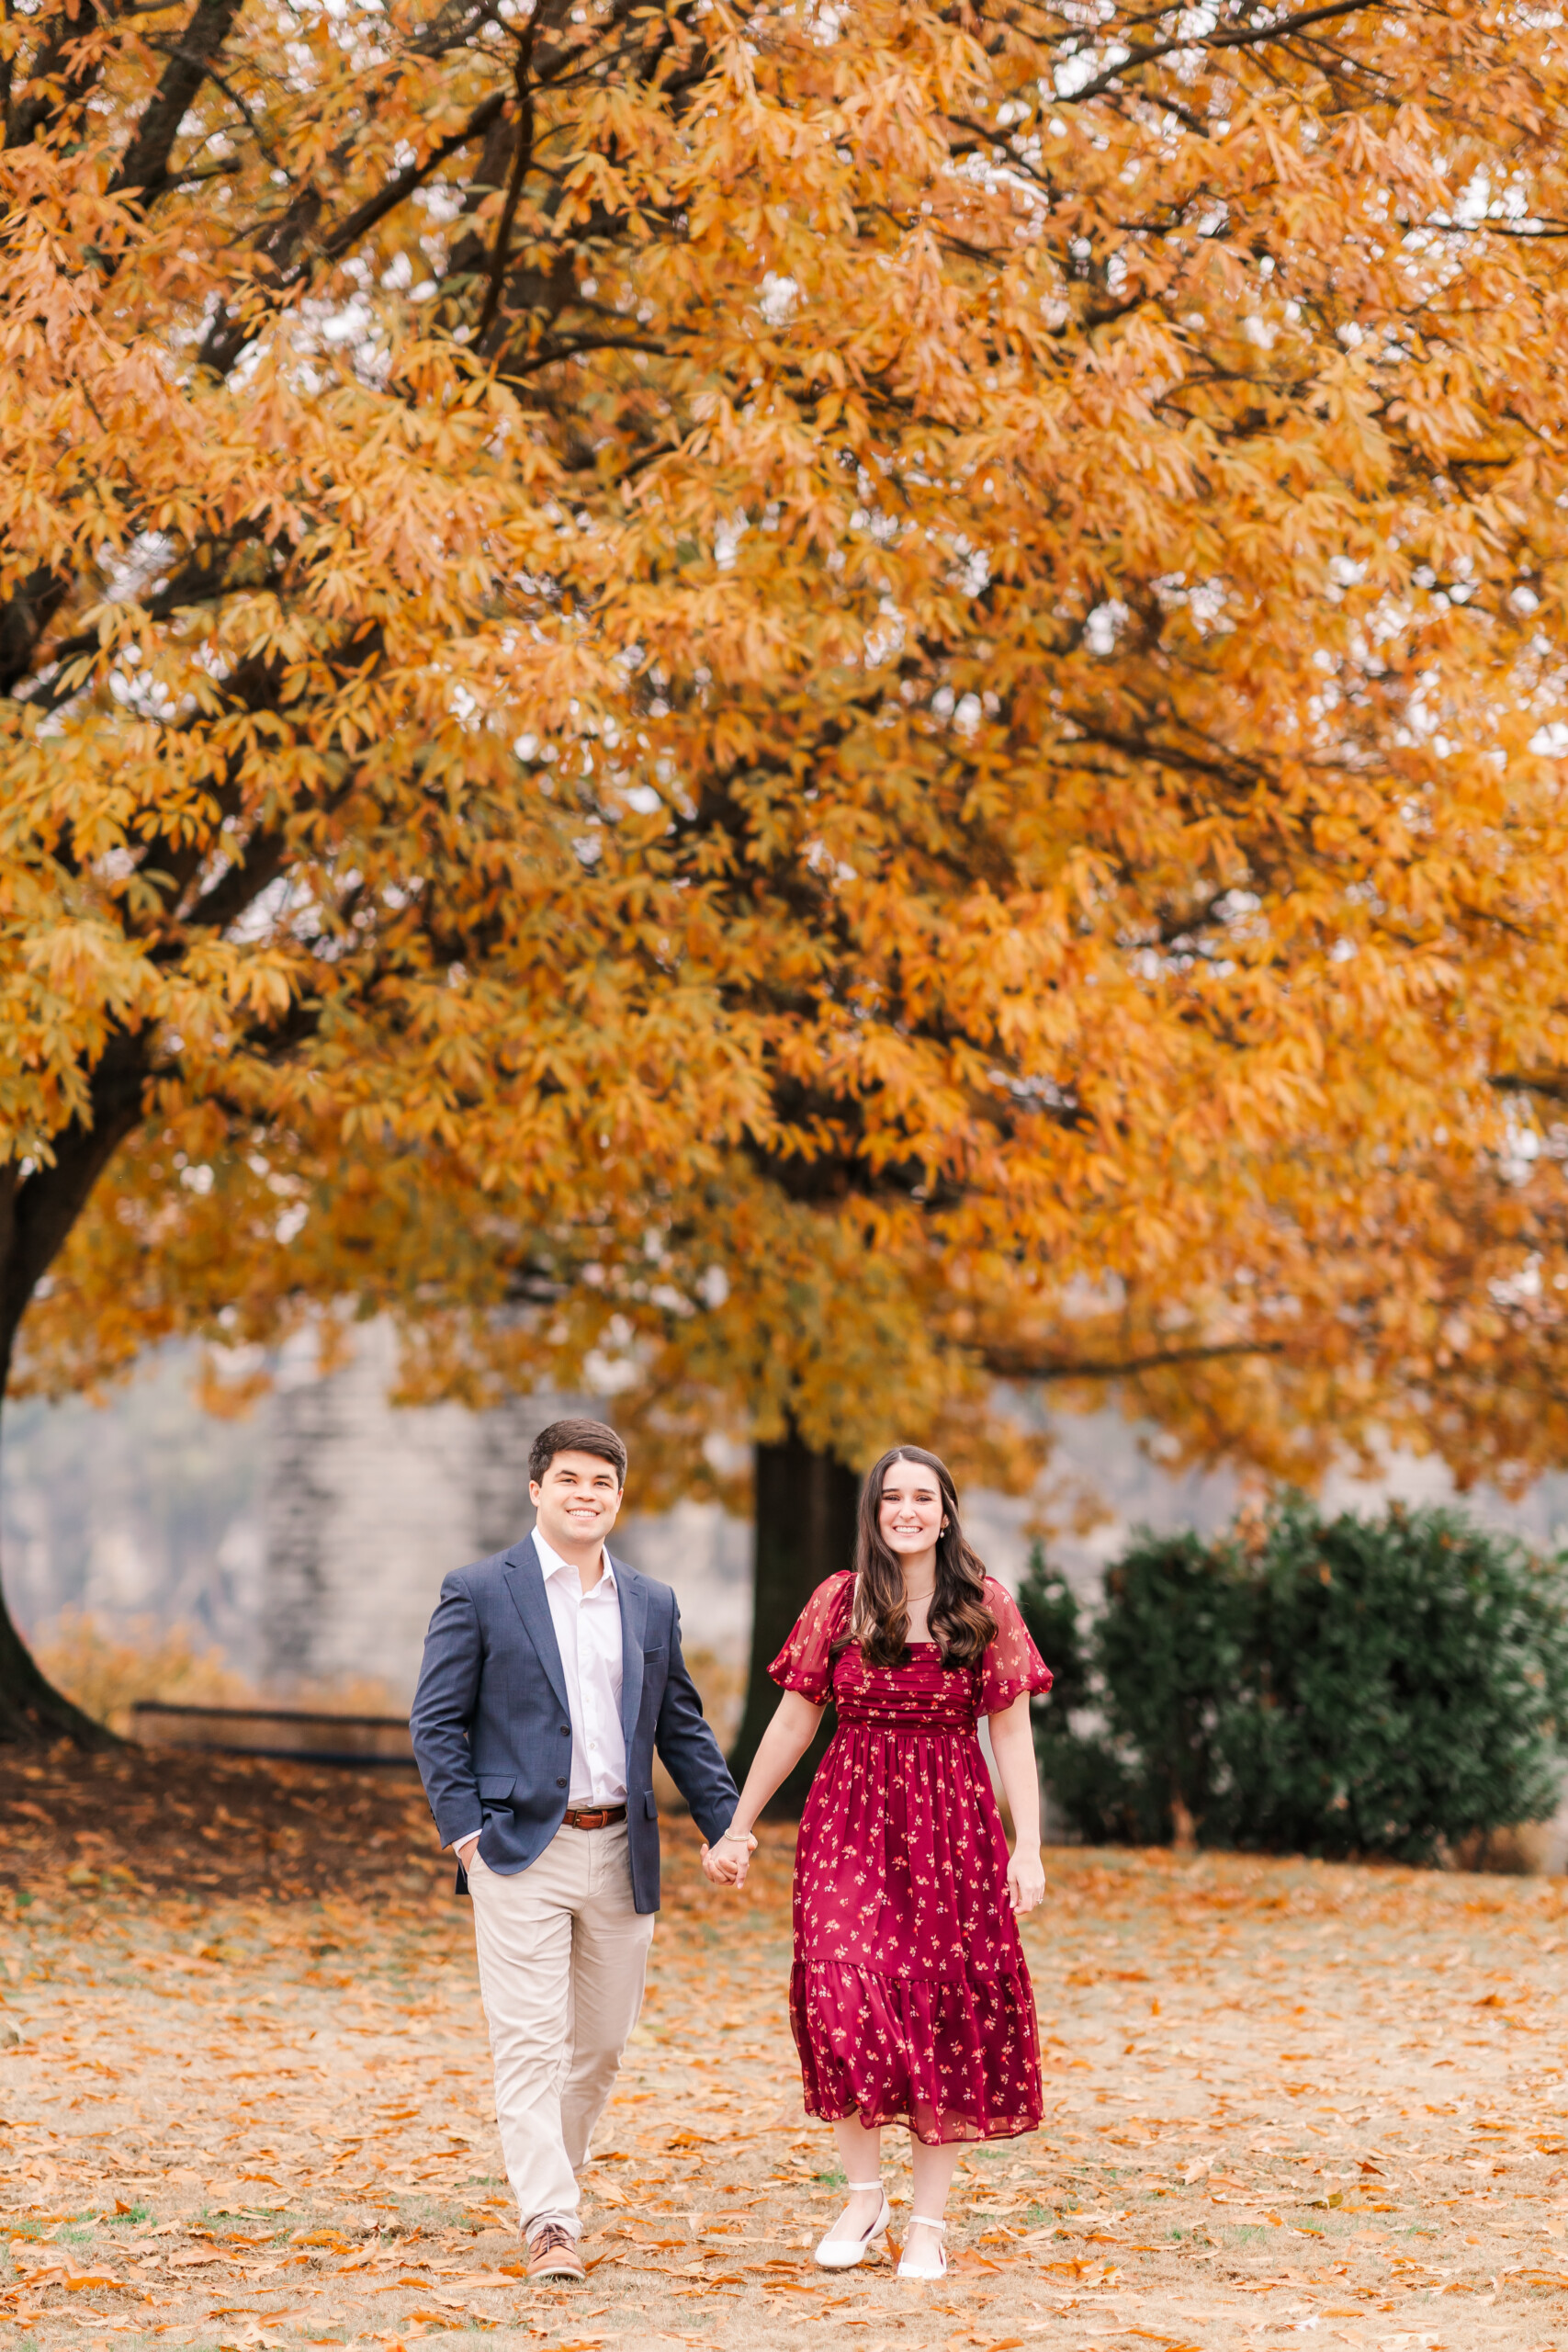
point(552, 2254)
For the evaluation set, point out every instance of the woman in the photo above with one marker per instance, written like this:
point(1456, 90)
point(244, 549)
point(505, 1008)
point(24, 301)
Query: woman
point(909, 1997)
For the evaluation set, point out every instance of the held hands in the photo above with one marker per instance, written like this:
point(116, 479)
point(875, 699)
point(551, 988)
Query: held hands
point(725, 1861)
point(1026, 1880)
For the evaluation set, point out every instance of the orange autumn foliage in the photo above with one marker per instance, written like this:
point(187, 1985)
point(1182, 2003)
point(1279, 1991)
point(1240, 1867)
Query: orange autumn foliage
point(837, 700)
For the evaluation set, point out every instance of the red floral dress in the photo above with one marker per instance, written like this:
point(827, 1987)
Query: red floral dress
point(909, 1997)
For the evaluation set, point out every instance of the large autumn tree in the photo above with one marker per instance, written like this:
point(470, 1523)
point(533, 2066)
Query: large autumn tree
point(873, 692)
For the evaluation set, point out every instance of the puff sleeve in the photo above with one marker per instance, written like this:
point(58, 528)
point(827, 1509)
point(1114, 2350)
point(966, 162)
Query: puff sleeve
point(1012, 1664)
point(805, 1664)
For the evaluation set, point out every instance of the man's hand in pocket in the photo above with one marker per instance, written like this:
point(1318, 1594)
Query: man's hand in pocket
point(467, 1850)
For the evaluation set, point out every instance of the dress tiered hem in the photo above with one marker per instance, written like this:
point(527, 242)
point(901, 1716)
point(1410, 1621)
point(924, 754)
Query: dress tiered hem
point(953, 2057)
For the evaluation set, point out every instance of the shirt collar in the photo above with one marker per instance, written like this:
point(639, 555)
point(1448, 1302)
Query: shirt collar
point(552, 1564)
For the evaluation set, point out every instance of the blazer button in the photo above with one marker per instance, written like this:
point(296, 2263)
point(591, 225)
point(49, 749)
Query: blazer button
point(561, 1784)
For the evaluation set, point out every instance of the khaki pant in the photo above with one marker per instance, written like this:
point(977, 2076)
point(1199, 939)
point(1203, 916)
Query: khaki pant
point(562, 1959)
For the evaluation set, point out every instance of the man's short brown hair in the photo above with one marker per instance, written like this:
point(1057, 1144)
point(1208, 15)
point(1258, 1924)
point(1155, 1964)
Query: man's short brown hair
point(578, 1436)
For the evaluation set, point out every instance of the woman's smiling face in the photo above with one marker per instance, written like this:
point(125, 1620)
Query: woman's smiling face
point(910, 1513)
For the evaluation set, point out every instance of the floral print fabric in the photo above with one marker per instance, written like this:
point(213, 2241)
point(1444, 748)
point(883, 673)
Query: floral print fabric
point(909, 1997)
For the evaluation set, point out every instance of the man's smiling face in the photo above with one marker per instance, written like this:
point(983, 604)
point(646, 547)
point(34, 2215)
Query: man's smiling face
point(576, 1500)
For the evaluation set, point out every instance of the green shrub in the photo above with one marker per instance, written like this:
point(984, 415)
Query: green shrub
point(1170, 1645)
point(1410, 1686)
point(1332, 1687)
point(1100, 1798)
point(1049, 1607)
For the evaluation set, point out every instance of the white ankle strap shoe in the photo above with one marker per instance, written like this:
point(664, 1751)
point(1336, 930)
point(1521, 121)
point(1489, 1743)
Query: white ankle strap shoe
point(842, 2254)
point(924, 2268)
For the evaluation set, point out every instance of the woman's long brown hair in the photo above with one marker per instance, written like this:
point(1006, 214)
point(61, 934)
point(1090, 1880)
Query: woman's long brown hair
point(960, 1621)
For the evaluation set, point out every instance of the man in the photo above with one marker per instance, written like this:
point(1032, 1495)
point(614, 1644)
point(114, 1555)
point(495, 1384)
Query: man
point(551, 1673)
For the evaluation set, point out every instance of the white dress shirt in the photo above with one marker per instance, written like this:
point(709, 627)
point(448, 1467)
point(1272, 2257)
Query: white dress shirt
point(587, 1630)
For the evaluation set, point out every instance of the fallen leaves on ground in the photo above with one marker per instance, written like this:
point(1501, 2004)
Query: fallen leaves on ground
point(145, 1821)
point(1282, 2100)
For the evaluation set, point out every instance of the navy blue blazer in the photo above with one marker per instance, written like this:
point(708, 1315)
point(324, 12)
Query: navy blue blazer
point(493, 1733)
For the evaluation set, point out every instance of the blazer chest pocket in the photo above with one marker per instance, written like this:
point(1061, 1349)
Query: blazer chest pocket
point(496, 1789)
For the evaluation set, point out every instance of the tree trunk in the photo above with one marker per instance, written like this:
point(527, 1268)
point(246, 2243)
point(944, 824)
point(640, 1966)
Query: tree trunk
point(39, 1206)
point(33, 1713)
point(805, 1532)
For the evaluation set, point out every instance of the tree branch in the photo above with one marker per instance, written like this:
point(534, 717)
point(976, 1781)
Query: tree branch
point(340, 239)
point(575, 350)
point(1551, 1084)
point(46, 1202)
point(144, 167)
point(58, 88)
point(520, 164)
point(1238, 36)
point(1019, 1363)
point(202, 579)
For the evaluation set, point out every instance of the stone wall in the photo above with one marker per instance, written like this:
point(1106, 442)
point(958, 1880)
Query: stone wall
point(369, 1505)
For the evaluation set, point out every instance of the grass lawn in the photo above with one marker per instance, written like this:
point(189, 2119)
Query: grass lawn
point(244, 2090)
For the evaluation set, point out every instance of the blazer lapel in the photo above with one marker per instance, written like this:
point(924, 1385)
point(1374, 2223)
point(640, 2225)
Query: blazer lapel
point(525, 1583)
point(633, 1595)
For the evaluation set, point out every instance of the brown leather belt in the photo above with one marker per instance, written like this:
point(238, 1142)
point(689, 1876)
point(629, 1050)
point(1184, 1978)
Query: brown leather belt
point(602, 1816)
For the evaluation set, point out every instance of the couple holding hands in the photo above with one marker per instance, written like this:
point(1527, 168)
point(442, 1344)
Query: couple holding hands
point(552, 1672)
